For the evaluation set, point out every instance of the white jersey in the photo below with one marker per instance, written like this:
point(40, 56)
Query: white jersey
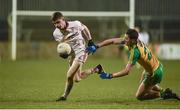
point(144, 37)
point(75, 39)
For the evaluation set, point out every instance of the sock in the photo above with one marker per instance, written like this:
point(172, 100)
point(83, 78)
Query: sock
point(67, 90)
point(162, 93)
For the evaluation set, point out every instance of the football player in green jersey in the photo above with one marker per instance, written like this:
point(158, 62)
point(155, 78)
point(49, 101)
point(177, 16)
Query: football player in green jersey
point(138, 52)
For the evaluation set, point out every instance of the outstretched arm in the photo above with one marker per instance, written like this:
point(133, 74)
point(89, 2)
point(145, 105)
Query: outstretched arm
point(92, 48)
point(115, 41)
point(122, 73)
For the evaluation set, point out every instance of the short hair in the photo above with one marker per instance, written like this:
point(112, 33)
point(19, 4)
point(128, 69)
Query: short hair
point(56, 15)
point(132, 34)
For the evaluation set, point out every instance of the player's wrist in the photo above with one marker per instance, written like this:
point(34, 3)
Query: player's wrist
point(90, 42)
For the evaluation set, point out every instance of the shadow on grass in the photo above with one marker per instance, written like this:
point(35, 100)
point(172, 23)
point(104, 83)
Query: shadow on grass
point(85, 101)
point(103, 101)
point(26, 100)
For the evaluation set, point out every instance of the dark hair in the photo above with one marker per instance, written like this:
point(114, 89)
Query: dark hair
point(56, 15)
point(132, 33)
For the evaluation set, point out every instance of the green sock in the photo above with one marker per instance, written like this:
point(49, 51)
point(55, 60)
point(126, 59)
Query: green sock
point(162, 93)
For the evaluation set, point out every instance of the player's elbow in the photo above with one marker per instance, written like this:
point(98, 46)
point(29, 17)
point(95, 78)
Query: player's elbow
point(113, 42)
point(116, 41)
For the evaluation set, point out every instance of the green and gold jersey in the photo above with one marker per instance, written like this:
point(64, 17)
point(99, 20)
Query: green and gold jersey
point(141, 54)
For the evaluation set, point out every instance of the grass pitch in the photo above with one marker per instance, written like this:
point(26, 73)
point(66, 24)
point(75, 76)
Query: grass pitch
point(38, 83)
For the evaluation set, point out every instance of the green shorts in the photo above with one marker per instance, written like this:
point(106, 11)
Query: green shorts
point(156, 78)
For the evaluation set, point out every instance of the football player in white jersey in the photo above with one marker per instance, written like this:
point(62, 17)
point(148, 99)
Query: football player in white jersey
point(143, 35)
point(76, 35)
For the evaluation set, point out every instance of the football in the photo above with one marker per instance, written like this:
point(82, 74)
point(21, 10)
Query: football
point(63, 49)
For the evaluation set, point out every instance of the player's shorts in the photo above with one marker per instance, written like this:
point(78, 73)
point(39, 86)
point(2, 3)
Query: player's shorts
point(155, 78)
point(81, 56)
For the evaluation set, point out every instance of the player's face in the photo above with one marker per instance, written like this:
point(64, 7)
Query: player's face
point(60, 23)
point(127, 40)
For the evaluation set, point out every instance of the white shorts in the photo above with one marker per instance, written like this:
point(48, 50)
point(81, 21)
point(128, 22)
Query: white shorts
point(81, 56)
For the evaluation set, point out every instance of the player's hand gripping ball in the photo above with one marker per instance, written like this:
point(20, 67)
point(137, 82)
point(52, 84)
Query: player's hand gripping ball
point(64, 50)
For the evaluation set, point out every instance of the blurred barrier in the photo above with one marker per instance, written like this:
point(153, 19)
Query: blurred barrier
point(168, 51)
point(36, 50)
point(47, 50)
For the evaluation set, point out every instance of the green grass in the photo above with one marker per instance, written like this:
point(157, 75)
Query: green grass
point(38, 83)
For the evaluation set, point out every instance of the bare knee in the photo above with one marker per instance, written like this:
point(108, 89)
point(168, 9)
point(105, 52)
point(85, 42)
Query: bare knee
point(82, 74)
